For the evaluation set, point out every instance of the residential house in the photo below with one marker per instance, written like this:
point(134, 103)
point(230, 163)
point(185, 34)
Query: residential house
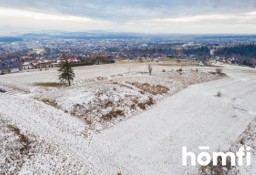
point(42, 63)
point(73, 60)
point(27, 65)
point(9, 66)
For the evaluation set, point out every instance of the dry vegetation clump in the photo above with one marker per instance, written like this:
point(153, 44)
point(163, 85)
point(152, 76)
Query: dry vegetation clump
point(103, 101)
point(78, 110)
point(112, 114)
point(91, 80)
point(248, 137)
point(143, 73)
point(194, 70)
point(149, 102)
point(23, 140)
point(142, 105)
point(109, 105)
point(101, 78)
point(219, 169)
point(22, 153)
point(180, 70)
point(50, 102)
point(113, 82)
point(89, 122)
point(219, 72)
point(85, 81)
point(179, 62)
point(15, 149)
point(122, 84)
point(153, 89)
point(219, 94)
point(49, 84)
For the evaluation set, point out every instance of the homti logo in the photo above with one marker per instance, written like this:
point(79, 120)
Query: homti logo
point(204, 158)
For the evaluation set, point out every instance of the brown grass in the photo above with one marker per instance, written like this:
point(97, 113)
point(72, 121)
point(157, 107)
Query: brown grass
point(153, 89)
point(50, 102)
point(144, 105)
point(113, 114)
point(106, 103)
point(22, 139)
point(179, 62)
point(49, 84)
point(14, 129)
point(78, 110)
point(89, 122)
point(133, 106)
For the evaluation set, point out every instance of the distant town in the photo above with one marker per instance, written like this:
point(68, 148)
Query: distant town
point(44, 51)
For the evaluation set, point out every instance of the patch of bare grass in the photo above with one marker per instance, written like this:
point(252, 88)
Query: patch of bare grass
point(49, 84)
point(112, 114)
point(153, 89)
point(50, 102)
point(23, 140)
point(179, 62)
point(15, 148)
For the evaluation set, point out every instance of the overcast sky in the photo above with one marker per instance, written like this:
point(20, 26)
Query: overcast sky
point(145, 16)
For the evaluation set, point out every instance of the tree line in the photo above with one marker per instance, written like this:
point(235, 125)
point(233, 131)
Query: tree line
point(242, 50)
point(197, 51)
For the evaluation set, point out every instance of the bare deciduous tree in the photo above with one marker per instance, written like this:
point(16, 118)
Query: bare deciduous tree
point(150, 68)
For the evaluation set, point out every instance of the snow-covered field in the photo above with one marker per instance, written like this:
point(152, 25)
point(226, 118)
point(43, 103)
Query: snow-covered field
point(118, 119)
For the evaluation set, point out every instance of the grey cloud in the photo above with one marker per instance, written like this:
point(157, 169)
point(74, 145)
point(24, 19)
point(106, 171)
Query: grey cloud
point(127, 10)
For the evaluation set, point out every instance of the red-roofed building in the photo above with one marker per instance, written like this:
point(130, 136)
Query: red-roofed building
point(72, 60)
